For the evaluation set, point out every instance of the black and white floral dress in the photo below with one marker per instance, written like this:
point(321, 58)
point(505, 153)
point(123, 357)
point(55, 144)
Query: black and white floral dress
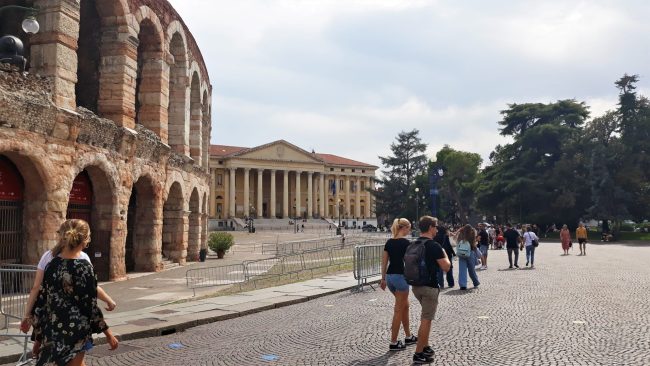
point(65, 314)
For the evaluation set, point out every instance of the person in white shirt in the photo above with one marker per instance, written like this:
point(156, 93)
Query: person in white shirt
point(529, 236)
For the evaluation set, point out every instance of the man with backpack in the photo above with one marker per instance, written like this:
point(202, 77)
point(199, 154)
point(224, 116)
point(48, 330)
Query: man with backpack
point(422, 260)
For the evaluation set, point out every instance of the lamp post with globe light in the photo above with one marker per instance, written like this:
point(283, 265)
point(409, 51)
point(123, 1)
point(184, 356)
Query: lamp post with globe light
point(11, 47)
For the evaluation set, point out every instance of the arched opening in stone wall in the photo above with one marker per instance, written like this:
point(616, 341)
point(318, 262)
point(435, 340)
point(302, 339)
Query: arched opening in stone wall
point(174, 241)
point(330, 209)
point(194, 231)
point(91, 199)
point(204, 222)
point(11, 23)
point(148, 86)
point(179, 124)
point(141, 251)
point(195, 119)
point(352, 208)
point(12, 194)
point(205, 130)
point(88, 56)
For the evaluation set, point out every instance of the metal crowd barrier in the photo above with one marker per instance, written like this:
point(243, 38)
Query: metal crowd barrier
point(254, 271)
point(16, 282)
point(367, 263)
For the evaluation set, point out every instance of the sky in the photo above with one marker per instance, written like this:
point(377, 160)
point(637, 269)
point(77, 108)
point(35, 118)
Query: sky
point(345, 77)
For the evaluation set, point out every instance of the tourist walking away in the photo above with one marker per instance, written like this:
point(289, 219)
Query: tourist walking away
point(512, 244)
point(483, 244)
point(466, 251)
point(531, 241)
point(565, 237)
point(46, 258)
point(581, 235)
point(66, 314)
point(392, 276)
point(422, 260)
point(442, 238)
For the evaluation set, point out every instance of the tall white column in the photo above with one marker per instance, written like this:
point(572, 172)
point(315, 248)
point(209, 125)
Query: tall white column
point(310, 195)
point(285, 196)
point(247, 192)
point(298, 198)
point(357, 198)
point(260, 204)
point(337, 197)
point(321, 208)
point(273, 194)
point(231, 194)
point(370, 204)
point(347, 196)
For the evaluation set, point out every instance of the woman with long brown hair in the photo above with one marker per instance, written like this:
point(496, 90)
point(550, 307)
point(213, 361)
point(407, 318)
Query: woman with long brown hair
point(66, 314)
point(468, 263)
point(392, 276)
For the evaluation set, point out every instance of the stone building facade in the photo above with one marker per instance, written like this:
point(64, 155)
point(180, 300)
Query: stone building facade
point(261, 182)
point(110, 124)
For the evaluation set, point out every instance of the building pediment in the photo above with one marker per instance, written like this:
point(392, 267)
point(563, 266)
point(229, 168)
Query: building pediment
point(279, 151)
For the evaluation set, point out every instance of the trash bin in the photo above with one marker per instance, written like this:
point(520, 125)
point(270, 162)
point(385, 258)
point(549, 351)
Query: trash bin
point(203, 253)
point(338, 231)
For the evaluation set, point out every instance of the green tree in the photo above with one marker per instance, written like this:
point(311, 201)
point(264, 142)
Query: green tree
point(400, 169)
point(458, 184)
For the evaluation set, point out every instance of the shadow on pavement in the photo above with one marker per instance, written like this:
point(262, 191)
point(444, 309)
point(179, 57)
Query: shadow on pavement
point(381, 360)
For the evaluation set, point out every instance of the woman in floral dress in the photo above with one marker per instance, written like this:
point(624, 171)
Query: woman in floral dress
point(66, 314)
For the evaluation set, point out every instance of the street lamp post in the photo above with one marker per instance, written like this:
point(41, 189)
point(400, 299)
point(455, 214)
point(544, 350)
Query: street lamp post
point(338, 228)
point(417, 203)
point(11, 47)
point(434, 176)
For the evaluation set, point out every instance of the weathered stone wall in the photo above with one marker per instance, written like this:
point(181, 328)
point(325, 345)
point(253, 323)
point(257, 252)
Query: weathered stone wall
point(50, 146)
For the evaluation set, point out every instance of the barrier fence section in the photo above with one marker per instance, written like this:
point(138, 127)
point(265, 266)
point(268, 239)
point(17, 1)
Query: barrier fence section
point(16, 282)
point(253, 271)
point(367, 263)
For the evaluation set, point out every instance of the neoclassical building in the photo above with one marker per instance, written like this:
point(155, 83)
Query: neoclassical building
point(111, 124)
point(281, 180)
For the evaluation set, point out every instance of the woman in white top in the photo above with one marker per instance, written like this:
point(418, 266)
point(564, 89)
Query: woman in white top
point(529, 236)
point(47, 257)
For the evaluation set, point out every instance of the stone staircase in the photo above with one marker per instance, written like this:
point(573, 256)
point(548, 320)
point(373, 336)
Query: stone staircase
point(168, 264)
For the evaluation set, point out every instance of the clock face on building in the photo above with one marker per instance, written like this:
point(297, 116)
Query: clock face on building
point(280, 151)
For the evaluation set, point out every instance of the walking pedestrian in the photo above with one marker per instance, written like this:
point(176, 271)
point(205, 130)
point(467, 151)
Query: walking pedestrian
point(427, 294)
point(484, 244)
point(392, 276)
point(66, 313)
point(530, 238)
point(513, 240)
point(581, 235)
point(442, 238)
point(467, 264)
point(565, 237)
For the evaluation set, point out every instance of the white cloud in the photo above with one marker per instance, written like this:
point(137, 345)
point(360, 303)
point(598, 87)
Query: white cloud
point(347, 77)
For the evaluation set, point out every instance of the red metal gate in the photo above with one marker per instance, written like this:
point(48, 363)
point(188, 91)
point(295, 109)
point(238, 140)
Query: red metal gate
point(11, 212)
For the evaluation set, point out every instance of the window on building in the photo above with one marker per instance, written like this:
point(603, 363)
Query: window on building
point(219, 179)
point(363, 185)
point(220, 162)
point(363, 170)
point(353, 187)
point(353, 170)
point(219, 207)
point(331, 169)
point(342, 169)
point(341, 185)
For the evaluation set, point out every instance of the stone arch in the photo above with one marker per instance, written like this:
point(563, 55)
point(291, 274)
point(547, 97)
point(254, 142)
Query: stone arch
point(204, 221)
point(205, 130)
point(178, 110)
point(151, 94)
point(142, 249)
point(175, 222)
point(194, 231)
point(117, 71)
point(88, 56)
point(93, 198)
point(196, 118)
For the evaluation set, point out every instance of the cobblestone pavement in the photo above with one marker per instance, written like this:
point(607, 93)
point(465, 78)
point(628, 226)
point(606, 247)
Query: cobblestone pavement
point(571, 310)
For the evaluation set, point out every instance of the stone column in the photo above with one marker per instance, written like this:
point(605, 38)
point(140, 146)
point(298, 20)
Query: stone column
point(347, 196)
point(247, 192)
point(231, 194)
point(298, 212)
point(370, 198)
point(285, 196)
point(273, 194)
point(260, 204)
point(54, 48)
point(357, 197)
point(323, 204)
point(337, 197)
point(310, 195)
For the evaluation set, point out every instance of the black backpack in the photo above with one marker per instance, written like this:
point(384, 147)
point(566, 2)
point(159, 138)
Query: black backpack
point(415, 266)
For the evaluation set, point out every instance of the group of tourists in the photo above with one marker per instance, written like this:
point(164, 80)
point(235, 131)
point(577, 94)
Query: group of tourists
point(62, 306)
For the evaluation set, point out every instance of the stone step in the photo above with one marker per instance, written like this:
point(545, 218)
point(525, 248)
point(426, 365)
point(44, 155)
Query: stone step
point(167, 264)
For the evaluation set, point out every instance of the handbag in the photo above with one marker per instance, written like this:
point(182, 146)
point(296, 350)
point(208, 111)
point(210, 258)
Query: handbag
point(570, 244)
point(535, 243)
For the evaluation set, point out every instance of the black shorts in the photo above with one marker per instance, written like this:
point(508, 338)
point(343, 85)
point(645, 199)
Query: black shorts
point(582, 241)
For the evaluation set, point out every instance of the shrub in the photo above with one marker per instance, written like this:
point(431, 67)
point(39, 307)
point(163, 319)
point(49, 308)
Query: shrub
point(220, 241)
